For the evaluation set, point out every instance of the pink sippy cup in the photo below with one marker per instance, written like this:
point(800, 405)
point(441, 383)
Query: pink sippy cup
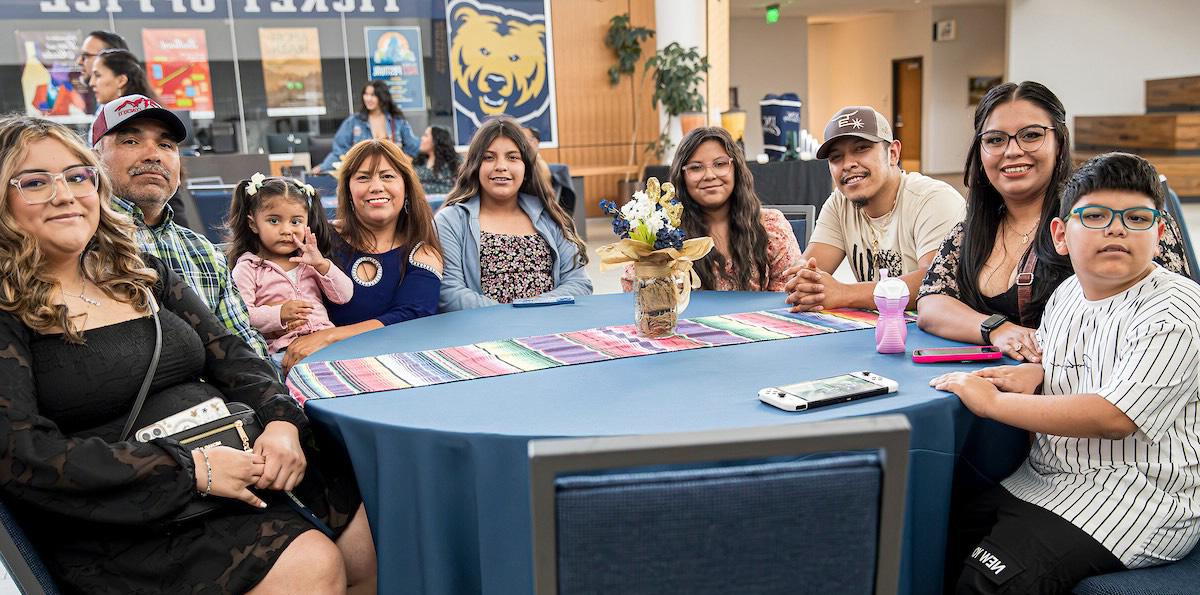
point(891, 298)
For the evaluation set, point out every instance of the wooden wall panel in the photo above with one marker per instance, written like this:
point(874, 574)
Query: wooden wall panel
point(717, 80)
point(595, 119)
point(1173, 95)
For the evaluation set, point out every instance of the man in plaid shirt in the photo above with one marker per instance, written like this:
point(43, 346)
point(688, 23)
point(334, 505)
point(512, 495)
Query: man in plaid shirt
point(138, 142)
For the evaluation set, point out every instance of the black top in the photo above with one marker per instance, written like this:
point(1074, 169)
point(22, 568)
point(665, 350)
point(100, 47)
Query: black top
point(64, 471)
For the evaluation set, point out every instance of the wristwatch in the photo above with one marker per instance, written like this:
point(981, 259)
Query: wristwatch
point(990, 324)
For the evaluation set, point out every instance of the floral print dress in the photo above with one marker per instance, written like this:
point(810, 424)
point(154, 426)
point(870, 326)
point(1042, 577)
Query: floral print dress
point(514, 267)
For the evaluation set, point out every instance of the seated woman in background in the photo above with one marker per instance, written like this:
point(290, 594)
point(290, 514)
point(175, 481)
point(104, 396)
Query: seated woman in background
point(385, 242)
point(377, 118)
point(992, 277)
point(117, 73)
point(753, 245)
point(76, 339)
point(437, 163)
point(506, 239)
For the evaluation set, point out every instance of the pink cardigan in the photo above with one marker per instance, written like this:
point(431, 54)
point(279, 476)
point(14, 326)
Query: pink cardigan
point(262, 282)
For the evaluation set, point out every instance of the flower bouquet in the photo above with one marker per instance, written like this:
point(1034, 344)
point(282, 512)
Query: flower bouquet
point(653, 241)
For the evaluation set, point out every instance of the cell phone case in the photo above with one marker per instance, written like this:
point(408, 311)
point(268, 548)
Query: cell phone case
point(937, 358)
point(201, 414)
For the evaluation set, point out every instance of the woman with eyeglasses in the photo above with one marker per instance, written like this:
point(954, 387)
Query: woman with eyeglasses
point(994, 272)
point(753, 246)
point(81, 313)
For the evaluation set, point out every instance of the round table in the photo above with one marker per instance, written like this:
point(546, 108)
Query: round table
point(444, 470)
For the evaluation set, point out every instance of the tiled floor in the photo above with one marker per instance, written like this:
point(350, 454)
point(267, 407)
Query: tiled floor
point(600, 233)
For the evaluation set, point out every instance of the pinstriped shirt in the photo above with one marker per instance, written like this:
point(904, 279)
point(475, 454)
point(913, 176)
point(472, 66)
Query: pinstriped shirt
point(1140, 350)
point(200, 264)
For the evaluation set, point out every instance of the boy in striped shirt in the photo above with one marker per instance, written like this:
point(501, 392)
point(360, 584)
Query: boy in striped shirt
point(1112, 480)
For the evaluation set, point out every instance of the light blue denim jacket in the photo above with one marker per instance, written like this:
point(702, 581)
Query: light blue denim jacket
point(458, 229)
point(356, 129)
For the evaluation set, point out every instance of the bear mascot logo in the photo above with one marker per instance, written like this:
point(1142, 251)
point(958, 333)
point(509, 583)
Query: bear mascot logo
point(498, 62)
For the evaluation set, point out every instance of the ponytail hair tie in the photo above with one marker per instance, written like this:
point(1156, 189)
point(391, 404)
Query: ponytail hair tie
point(256, 182)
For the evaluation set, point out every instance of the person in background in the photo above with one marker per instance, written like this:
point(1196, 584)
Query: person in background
point(377, 117)
point(76, 339)
point(505, 237)
point(93, 44)
point(138, 143)
point(879, 216)
point(1112, 479)
point(995, 270)
point(753, 246)
point(437, 163)
point(279, 236)
point(385, 243)
point(117, 73)
point(534, 136)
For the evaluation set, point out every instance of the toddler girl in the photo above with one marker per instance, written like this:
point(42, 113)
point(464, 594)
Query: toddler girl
point(278, 234)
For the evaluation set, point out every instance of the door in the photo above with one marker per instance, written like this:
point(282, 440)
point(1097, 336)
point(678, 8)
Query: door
point(906, 110)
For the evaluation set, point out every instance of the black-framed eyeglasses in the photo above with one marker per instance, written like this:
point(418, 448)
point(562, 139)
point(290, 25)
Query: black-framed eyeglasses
point(36, 188)
point(1134, 219)
point(720, 167)
point(1029, 138)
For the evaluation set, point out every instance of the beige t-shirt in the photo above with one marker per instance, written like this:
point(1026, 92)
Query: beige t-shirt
point(926, 210)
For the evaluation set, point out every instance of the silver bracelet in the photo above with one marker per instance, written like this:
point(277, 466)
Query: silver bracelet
point(208, 467)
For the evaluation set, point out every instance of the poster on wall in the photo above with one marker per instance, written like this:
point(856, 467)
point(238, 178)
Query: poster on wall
point(49, 76)
point(177, 66)
point(291, 61)
point(501, 63)
point(394, 57)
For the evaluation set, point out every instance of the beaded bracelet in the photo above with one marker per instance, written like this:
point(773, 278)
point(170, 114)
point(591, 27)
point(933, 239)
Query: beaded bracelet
point(208, 466)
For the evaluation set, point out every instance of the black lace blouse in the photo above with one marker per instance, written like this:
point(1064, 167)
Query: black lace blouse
point(85, 496)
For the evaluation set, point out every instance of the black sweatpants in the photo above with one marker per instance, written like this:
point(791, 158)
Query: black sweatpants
point(1001, 544)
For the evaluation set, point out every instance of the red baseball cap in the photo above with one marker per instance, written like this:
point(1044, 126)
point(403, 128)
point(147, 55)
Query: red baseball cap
point(130, 107)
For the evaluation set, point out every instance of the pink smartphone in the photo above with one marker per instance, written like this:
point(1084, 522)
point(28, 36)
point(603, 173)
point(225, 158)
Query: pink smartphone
point(956, 354)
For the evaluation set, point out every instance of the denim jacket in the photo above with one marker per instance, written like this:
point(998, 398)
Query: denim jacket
point(356, 129)
point(458, 230)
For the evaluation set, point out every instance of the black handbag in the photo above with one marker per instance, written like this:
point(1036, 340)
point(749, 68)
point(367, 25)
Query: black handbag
point(239, 429)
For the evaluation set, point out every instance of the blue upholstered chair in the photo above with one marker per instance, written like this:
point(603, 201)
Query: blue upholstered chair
point(1175, 208)
point(801, 508)
point(802, 218)
point(1180, 578)
point(24, 566)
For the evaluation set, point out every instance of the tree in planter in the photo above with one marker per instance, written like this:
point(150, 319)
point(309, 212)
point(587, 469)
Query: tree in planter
point(677, 72)
point(625, 42)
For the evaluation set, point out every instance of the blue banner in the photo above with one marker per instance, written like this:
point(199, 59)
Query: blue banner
point(394, 57)
point(501, 63)
point(219, 9)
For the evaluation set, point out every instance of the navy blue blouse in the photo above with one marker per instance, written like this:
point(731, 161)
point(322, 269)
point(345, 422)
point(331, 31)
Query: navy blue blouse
point(402, 288)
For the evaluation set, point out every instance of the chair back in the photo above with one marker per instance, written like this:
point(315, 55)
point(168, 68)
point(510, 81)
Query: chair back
point(802, 218)
point(24, 565)
point(319, 147)
point(800, 508)
point(1175, 208)
point(212, 207)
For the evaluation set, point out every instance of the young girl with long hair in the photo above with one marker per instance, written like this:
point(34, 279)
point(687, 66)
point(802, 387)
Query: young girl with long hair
point(437, 163)
point(278, 236)
point(505, 237)
point(378, 117)
point(753, 246)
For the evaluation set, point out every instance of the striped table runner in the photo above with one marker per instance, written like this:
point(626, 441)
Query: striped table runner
point(393, 371)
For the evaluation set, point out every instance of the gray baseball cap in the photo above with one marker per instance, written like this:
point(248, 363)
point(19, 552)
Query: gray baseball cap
point(857, 120)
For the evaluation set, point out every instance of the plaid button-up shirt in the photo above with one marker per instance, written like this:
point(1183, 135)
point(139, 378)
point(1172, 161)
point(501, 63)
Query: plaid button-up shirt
point(199, 262)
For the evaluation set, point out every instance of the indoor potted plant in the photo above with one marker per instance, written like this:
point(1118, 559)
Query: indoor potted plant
point(677, 75)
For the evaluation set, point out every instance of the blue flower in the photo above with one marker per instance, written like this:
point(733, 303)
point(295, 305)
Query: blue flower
point(620, 227)
point(609, 207)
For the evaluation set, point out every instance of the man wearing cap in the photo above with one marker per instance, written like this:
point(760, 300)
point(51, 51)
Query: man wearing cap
point(878, 216)
point(138, 143)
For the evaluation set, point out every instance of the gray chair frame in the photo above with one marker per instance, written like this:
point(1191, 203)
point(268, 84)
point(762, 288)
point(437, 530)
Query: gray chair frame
point(549, 458)
point(20, 571)
point(809, 212)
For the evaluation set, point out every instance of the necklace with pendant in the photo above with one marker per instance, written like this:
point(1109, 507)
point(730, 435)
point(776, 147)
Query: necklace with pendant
point(80, 295)
point(1025, 236)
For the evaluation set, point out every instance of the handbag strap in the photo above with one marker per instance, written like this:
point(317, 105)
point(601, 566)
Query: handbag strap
point(1025, 283)
point(141, 397)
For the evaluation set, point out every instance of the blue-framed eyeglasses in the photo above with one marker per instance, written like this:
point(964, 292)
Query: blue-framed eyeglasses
point(1134, 219)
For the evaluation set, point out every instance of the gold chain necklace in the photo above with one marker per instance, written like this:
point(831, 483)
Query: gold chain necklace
point(1024, 236)
point(871, 226)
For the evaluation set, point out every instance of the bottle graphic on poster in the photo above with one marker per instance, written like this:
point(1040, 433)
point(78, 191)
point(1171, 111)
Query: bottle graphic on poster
point(35, 81)
point(891, 298)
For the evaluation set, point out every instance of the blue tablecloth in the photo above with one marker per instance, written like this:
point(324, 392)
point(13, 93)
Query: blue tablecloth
point(444, 473)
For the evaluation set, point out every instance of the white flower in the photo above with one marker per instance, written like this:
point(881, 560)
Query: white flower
point(310, 190)
point(636, 210)
point(640, 196)
point(657, 221)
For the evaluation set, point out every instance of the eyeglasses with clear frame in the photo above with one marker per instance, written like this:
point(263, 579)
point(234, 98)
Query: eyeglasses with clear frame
point(1029, 139)
point(37, 188)
point(720, 166)
point(1134, 219)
